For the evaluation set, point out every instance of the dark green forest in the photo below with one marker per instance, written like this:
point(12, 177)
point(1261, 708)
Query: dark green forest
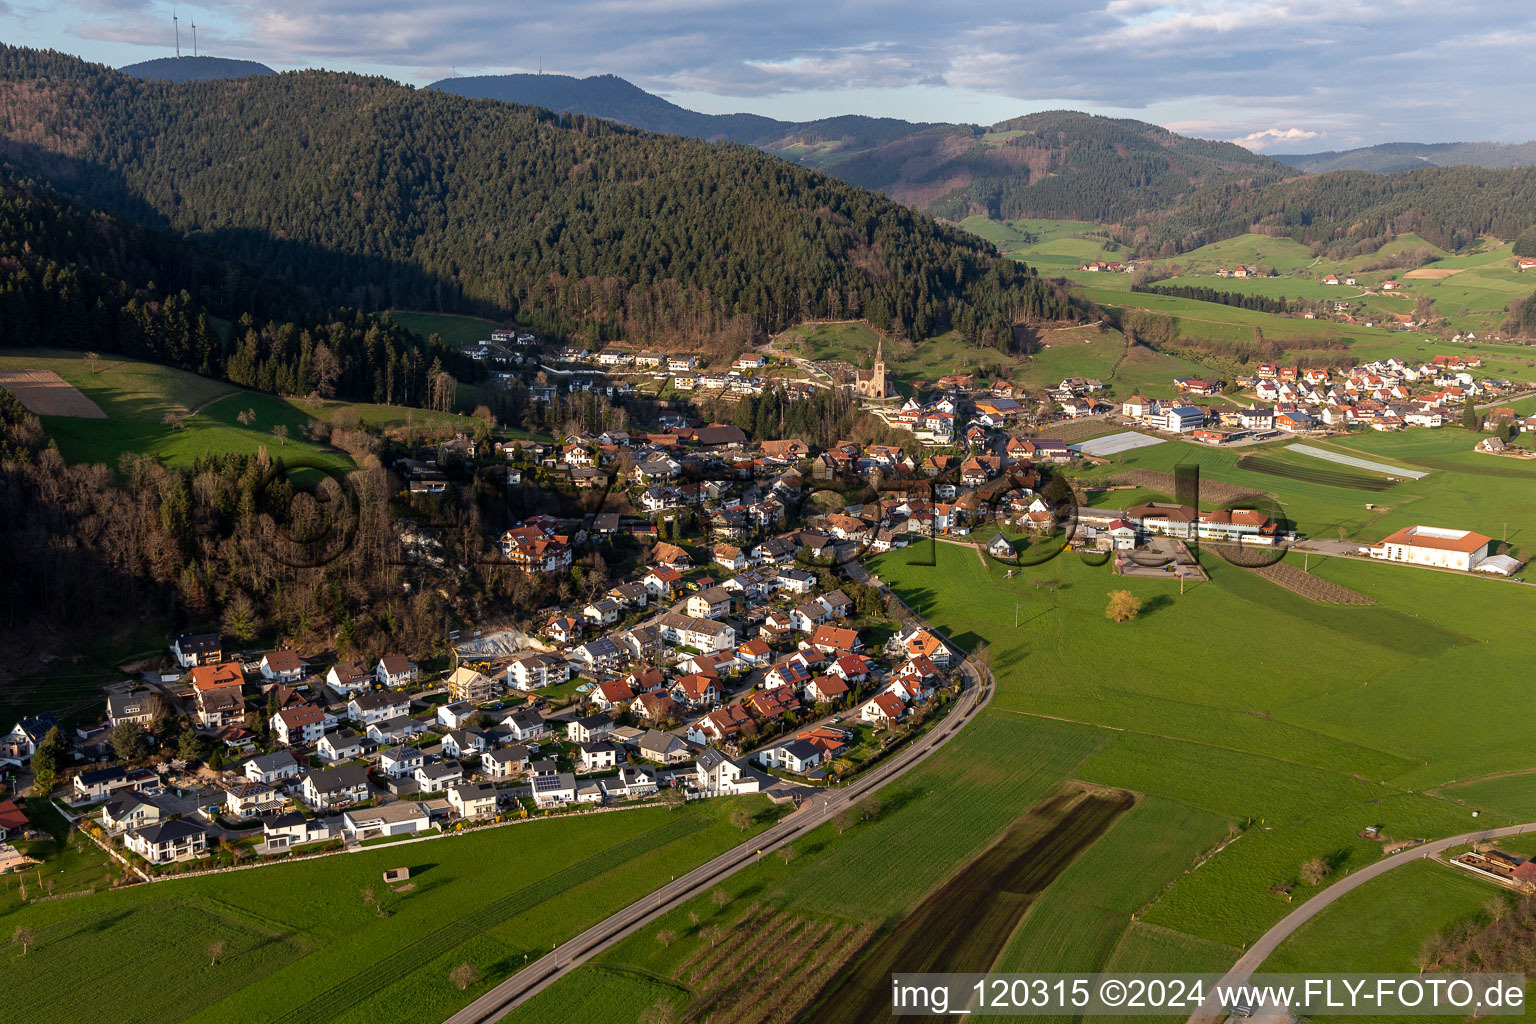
point(1242, 300)
point(371, 194)
point(1448, 206)
point(74, 279)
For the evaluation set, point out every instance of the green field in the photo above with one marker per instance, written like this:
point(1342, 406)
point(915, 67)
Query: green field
point(1282, 733)
point(1052, 245)
point(456, 331)
point(1380, 925)
point(137, 396)
point(303, 946)
point(934, 820)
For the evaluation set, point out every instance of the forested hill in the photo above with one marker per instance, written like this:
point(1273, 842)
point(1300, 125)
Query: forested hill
point(1406, 156)
point(1059, 164)
point(373, 194)
point(1448, 206)
point(71, 278)
point(195, 69)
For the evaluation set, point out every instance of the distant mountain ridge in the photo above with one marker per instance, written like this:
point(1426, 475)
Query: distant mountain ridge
point(1405, 156)
point(1061, 164)
point(195, 69)
point(613, 98)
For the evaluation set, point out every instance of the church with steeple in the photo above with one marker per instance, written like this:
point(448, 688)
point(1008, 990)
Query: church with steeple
point(876, 382)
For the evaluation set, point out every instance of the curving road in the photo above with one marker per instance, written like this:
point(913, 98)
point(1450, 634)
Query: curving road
point(1270, 940)
point(502, 999)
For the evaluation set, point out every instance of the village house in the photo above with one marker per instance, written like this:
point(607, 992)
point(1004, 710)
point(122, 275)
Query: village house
point(349, 677)
point(300, 726)
point(504, 762)
point(271, 768)
point(341, 745)
point(168, 841)
point(282, 666)
point(395, 670)
point(335, 788)
point(402, 818)
point(883, 710)
point(717, 775)
point(246, 800)
point(377, 706)
point(193, 649)
point(473, 799)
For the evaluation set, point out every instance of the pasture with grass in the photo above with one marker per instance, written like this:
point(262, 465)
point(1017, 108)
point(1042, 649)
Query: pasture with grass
point(301, 942)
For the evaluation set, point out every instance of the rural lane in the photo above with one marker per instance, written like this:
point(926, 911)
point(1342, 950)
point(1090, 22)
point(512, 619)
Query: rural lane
point(1270, 940)
point(536, 977)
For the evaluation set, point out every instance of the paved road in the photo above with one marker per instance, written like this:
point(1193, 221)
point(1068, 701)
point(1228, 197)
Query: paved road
point(502, 999)
point(1270, 940)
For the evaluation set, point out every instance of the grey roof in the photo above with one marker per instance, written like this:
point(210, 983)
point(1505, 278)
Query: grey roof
point(169, 831)
point(376, 699)
point(710, 759)
point(273, 762)
point(331, 779)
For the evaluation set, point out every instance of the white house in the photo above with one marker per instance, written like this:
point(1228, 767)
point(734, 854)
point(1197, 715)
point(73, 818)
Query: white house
point(401, 762)
point(342, 745)
point(368, 708)
point(717, 775)
point(395, 670)
point(335, 788)
point(167, 841)
point(282, 666)
point(798, 756)
point(473, 800)
point(299, 726)
point(397, 819)
point(270, 768)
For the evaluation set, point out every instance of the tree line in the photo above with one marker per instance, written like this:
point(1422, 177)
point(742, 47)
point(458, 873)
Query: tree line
point(1242, 300)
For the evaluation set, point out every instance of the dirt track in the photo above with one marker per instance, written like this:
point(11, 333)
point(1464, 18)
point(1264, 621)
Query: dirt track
point(47, 394)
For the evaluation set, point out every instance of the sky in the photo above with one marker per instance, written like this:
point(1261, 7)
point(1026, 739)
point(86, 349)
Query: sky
point(1274, 75)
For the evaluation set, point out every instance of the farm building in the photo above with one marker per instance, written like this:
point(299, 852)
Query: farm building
point(1434, 546)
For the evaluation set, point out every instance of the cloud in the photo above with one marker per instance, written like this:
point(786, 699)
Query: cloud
point(1354, 70)
point(1275, 136)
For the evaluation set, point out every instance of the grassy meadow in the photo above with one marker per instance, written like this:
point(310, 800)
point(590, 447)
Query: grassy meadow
point(302, 945)
point(456, 331)
point(137, 396)
point(1327, 720)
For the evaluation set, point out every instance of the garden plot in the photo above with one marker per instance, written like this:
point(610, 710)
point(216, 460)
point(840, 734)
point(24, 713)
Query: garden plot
point(47, 394)
point(1350, 460)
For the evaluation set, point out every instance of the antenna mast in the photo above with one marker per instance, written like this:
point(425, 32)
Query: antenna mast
point(176, 23)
